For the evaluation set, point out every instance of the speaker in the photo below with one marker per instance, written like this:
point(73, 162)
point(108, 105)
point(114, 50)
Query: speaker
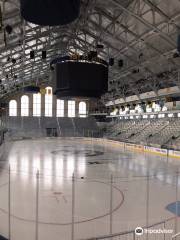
point(13, 60)
point(120, 63)
point(111, 61)
point(32, 55)
point(99, 46)
point(91, 55)
point(134, 71)
point(44, 54)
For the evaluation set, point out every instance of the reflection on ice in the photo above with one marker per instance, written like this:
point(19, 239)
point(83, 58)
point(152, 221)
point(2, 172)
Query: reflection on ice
point(92, 192)
point(81, 164)
point(70, 165)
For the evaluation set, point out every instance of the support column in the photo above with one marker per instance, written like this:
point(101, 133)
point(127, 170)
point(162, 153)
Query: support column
point(54, 106)
point(77, 108)
point(30, 105)
point(65, 108)
point(42, 105)
point(18, 99)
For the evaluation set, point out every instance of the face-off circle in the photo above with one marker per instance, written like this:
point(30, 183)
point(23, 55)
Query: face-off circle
point(86, 153)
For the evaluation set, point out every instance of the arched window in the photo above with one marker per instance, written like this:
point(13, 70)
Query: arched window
point(60, 108)
point(37, 105)
point(48, 102)
point(24, 106)
point(13, 108)
point(82, 109)
point(71, 108)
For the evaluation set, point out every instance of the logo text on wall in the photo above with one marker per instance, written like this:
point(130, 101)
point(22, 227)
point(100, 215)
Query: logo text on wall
point(139, 231)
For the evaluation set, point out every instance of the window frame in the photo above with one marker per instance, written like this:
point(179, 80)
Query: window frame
point(71, 108)
point(24, 106)
point(37, 105)
point(82, 109)
point(48, 105)
point(13, 109)
point(60, 108)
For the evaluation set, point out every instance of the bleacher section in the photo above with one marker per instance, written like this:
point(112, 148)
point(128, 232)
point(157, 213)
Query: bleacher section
point(166, 134)
point(85, 126)
point(65, 126)
point(153, 132)
point(134, 129)
point(117, 128)
point(154, 127)
point(32, 127)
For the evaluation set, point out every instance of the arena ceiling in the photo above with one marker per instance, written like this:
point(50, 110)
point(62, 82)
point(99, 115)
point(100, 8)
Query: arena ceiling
point(142, 33)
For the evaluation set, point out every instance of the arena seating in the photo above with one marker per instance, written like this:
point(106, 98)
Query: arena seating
point(65, 126)
point(116, 128)
point(154, 132)
point(133, 130)
point(85, 126)
point(166, 134)
point(151, 129)
point(30, 127)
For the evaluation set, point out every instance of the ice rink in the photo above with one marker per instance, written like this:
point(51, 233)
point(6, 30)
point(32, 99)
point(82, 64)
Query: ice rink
point(114, 190)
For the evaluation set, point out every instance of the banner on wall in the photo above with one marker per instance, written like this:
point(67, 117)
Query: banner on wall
point(173, 153)
point(134, 147)
point(158, 151)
